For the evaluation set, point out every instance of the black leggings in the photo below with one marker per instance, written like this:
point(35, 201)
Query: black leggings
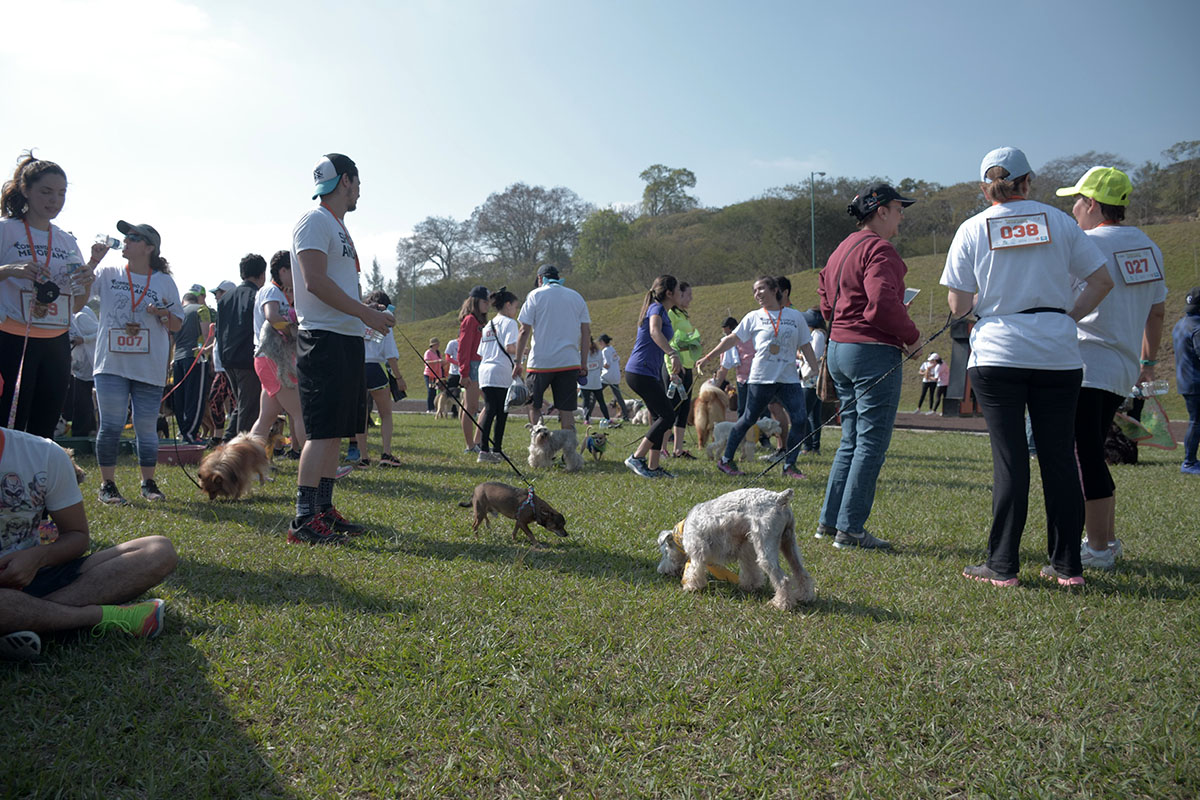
point(1093, 417)
point(681, 411)
point(929, 388)
point(493, 411)
point(662, 412)
point(43, 381)
point(592, 397)
point(941, 395)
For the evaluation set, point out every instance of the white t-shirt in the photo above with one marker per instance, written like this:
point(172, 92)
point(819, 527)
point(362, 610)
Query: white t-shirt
point(759, 327)
point(35, 474)
point(268, 293)
point(555, 313)
point(452, 354)
point(595, 366)
point(320, 230)
point(496, 367)
point(731, 358)
point(379, 352)
point(612, 366)
point(1010, 279)
point(808, 376)
point(85, 325)
point(1110, 338)
point(16, 294)
point(117, 300)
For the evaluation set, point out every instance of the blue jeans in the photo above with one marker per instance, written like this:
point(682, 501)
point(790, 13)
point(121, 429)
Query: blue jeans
point(868, 416)
point(758, 395)
point(113, 394)
point(1191, 439)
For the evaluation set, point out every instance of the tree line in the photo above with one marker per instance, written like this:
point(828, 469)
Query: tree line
point(605, 252)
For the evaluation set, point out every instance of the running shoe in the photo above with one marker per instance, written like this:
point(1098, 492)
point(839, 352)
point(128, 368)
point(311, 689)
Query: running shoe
point(683, 454)
point(488, 457)
point(143, 620)
point(659, 472)
point(313, 530)
point(1118, 549)
point(825, 532)
point(363, 463)
point(729, 468)
point(151, 492)
point(862, 540)
point(342, 525)
point(472, 449)
point(1190, 468)
point(794, 474)
point(1051, 574)
point(388, 460)
point(110, 495)
point(20, 646)
point(985, 574)
point(352, 454)
point(292, 455)
point(1097, 559)
point(342, 471)
point(638, 465)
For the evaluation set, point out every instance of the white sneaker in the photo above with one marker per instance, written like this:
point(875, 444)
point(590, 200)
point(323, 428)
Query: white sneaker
point(1096, 559)
point(1116, 548)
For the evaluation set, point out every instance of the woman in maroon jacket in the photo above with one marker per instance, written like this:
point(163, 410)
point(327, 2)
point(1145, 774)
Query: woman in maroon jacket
point(862, 292)
point(470, 330)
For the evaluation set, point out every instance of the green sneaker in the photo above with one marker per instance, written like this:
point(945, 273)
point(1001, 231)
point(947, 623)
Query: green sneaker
point(144, 619)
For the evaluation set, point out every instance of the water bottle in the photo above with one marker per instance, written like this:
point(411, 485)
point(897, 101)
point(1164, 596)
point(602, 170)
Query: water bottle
point(1152, 388)
point(376, 336)
point(108, 241)
point(674, 389)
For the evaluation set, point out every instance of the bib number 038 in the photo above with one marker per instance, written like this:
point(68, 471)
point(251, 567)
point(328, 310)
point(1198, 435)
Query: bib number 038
point(1018, 231)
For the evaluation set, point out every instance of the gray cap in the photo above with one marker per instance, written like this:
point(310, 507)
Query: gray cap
point(548, 271)
point(1010, 158)
point(145, 231)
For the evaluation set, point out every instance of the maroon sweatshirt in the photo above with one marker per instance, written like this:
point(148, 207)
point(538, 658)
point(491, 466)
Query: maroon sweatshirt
point(870, 304)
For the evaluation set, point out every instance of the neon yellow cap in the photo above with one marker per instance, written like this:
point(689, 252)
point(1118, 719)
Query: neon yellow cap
point(1106, 185)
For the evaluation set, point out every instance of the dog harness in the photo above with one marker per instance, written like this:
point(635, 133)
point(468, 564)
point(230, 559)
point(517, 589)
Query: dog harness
point(528, 500)
point(716, 570)
point(595, 445)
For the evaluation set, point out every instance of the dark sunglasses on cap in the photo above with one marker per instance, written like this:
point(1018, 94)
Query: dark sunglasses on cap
point(136, 237)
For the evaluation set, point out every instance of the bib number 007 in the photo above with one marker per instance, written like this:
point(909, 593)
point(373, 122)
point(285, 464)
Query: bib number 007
point(121, 341)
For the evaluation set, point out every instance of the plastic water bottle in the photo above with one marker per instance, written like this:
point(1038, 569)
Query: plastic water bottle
point(1152, 388)
point(376, 336)
point(110, 242)
point(674, 389)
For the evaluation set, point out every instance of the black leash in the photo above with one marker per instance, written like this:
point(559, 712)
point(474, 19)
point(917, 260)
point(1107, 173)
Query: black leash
point(462, 409)
point(950, 320)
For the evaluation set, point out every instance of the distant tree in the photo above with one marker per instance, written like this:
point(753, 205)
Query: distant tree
point(601, 234)
point(666, 190)
point(526, 225)
point(375, 276)
point(1176, 187)
point(1066, 171)
point(438, 244)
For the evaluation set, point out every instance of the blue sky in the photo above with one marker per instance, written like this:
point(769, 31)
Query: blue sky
point(205, 118)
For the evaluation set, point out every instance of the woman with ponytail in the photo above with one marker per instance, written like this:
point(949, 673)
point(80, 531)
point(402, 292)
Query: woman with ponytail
point(643, 373)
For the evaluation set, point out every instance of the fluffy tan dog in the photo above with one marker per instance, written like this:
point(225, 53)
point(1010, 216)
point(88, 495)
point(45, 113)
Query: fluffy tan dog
point(226, 471)
point(710, 408)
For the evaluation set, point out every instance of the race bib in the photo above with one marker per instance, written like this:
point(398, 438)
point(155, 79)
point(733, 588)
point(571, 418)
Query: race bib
point(1138, 266)
point(57, 313)
point(1019, 231)
point(122, 341)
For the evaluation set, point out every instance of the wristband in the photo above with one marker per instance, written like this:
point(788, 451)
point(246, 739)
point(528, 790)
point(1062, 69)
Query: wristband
point(1149, 362)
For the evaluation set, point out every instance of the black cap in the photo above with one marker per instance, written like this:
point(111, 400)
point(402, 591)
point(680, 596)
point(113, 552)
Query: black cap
point(548, 271)
point(865, 202)
point(1193, 301)
point(142, 230)
point(604, 337)
point(813, 318)
point(480, 292)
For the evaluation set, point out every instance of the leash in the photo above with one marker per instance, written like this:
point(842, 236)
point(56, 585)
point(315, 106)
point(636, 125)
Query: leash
point(950, 320)
point(462, 409)
point(12, 414)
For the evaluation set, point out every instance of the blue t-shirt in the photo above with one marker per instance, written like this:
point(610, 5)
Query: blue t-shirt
point(646, 358)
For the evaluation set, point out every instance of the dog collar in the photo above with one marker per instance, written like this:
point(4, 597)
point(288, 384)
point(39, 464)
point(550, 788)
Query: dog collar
point(716, 570)
point(528, 499)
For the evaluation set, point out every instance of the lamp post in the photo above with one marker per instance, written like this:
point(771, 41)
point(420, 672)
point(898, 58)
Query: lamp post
point(812, 213)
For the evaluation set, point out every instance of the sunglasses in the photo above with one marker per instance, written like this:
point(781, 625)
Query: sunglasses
point(136, 237)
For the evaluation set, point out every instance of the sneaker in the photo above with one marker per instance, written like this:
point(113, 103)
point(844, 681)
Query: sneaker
point(472, 449)
point(604, 423)
point(488, 457)
point(110, 495)
point(151, 492)
point(864, 540)
point(363, 463)
point(659, 472)
point(1118, 549)
point(20, 646)
point(342, 472)
point(794, 474)
point(352, 454)
point(388, 460)
point(1051, 574)
point(772, 457)
point(1097, 559)
point(984, 573)
point(292, 455)
point(342, 525)
point(143, 620)
point(638, 465)
point(729, 468)
point(825, 532)
point(1190, 468)
point(683, 454)
point(314, 530)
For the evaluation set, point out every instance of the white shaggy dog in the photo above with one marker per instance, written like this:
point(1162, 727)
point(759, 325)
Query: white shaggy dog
point(641, 416)
point(750, 525)
point(721, 431)
point(545, 443)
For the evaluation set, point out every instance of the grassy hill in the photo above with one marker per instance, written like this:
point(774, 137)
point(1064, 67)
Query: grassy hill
point(617, 316)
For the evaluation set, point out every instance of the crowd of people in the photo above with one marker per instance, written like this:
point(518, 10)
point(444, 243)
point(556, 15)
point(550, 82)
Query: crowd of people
point(1067, 317)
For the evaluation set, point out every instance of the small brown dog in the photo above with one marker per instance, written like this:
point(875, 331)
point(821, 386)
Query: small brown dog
point(226, 471)
point(444, 405)
point(710, 408)
point(520, 505)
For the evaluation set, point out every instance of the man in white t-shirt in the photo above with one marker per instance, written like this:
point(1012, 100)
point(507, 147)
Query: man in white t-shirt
point(557, 319)
point(46, 582)
point(329, 349)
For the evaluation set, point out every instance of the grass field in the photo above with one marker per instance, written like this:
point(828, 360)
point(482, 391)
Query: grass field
point(421, 661)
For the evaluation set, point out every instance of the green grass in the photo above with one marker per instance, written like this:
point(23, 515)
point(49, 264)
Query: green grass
point(423, 661)
point(618, 316)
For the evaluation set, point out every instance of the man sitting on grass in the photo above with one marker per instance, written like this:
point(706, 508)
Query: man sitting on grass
point(54, 586)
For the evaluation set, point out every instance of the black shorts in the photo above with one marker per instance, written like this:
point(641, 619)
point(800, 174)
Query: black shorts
point(333, 387)
point(375, 376)
point(50, 579)
point(564, 387)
